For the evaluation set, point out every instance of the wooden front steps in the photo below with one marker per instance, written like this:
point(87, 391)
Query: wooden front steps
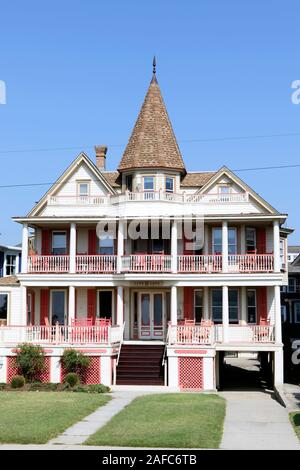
point(140, 365)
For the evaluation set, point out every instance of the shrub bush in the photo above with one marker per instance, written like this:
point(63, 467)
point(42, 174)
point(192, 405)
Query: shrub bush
point(72, 379)
point(30, 360)
point(18, 381)
point(74, 361)
point(98, 388)
point(43, 387)
point(80, 389)
point(3, 386)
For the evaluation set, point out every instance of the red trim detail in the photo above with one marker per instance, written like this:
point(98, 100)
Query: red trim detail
point(46, 242)
point(91, 303)
point(94, 351)
point(190, 351)
point(188, 303)
point(262, 308)
point(92, 242)
point(45, 298)
point(261, 240)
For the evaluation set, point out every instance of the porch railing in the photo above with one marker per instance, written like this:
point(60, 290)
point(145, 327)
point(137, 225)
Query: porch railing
point(199, 263)
point(186, 334)
point(246, 333)
point(48, 264)
point(61, 334)
point(146, 263)
point(251, 263)
point(207, 335)
point(96, 263)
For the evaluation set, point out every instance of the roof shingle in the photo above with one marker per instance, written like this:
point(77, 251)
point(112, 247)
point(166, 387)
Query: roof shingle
point(152, 143)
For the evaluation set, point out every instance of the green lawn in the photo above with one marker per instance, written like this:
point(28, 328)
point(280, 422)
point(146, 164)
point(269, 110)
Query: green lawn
point(295, 420)
point(36, 417)
point(183, 420)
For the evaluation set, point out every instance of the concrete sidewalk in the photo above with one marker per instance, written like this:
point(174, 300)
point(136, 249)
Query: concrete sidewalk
point(255, 420)
point(121, 397)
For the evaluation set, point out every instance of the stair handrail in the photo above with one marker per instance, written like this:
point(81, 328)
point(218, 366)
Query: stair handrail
point(121, 342)
point(163, 362)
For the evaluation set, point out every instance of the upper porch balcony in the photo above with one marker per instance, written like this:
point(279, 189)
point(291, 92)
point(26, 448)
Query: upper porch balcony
point(148, 196)
point(148, 263)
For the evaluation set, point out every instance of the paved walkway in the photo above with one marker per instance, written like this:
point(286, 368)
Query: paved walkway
point(255, 420)
point(81, 431)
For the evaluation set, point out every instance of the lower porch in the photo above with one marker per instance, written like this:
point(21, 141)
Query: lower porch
point(173, 315)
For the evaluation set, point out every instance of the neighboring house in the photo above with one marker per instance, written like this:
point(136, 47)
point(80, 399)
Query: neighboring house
point(150, 307)
point(10, 260)
point(293, 252)
point(290, 308)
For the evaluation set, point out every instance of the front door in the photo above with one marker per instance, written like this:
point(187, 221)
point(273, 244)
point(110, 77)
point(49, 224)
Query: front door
point(151, 315)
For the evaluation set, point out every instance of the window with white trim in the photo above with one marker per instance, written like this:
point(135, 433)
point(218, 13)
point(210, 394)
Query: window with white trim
point(198, 305)
point(3, 307)
point(217, 240)
point(83, 188)
point(216, 304)
point(11, 265)
point(232, 241)
point(148, 182)
point(59, 243)
point(251, 306)
point(297, 312)
point(250, 240)
point(106, 244)
point(169, 184)
point(292, 287)
point(233, 300)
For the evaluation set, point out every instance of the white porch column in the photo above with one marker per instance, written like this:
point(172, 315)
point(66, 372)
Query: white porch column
point(24, 248)
point(206, 240)
point(276, 242)
point(278, 367)
point(173, 305)
point(120, 245)
point(225, 246)
point(244, 319)
point(174, 243)
point(120, 305)
point(243, 239)
point(23, 290)
point(278, 334)
point(225, 314)
point(71, 304)
point(205, 303)
point(73, 248)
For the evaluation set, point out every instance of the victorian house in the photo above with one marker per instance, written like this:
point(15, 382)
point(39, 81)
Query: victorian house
point(114, 273)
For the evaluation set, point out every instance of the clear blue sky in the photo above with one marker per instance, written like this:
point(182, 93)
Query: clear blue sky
point(76, 74)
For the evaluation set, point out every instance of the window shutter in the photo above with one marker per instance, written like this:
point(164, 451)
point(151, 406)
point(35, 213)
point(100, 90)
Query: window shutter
point(92, 242)
point(261, 240)
point(45, 296)
point(46, 242)
point(188, 295)
point(262, 308)
point(91, 303)
point(33, 307)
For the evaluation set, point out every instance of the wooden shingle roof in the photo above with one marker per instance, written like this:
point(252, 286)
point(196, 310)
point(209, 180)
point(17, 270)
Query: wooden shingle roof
point(196, 179)
point(152, 143)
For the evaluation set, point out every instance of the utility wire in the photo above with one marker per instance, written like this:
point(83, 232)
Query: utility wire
point(213, 139)
point(262, 168)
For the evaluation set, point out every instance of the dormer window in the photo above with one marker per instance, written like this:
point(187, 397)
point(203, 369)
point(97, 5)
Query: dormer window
point(148, 183)
point(83, 189)
point(169, 185)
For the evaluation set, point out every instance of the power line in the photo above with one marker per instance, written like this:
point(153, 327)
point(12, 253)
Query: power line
point(213, 139)
point(262, 168)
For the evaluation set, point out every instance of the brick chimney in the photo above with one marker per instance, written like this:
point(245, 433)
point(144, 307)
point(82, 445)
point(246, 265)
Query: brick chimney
point(100, 156)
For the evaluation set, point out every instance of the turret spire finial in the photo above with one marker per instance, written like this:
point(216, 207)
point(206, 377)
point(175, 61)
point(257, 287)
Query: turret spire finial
point(154, 65)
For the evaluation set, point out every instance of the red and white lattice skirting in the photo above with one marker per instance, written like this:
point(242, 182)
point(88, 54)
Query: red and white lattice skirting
point(190, 373)
point(12, 370)
point(92, 375)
